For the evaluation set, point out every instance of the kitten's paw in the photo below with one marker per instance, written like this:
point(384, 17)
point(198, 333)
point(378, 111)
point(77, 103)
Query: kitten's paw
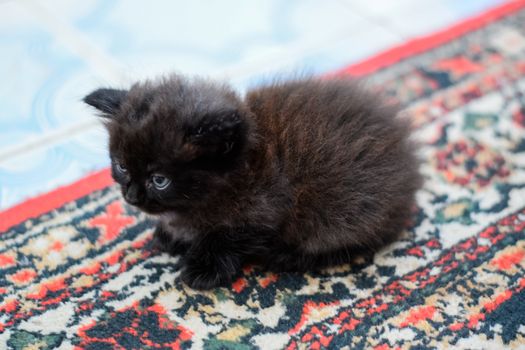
point(206, 275)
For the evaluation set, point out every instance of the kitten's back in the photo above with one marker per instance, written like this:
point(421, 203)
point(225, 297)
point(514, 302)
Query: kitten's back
point(345, 155)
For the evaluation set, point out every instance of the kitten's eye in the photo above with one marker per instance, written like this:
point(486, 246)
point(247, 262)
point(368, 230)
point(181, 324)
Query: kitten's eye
point(120, 168)
point(160, 182)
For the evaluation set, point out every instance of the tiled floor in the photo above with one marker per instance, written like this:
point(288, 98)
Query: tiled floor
point(53, 52)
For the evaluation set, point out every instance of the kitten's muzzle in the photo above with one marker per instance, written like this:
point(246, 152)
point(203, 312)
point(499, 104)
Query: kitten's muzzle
point(133, 195)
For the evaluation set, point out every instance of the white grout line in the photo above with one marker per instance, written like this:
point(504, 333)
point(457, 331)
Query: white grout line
point(377, 20)
point(48, 139)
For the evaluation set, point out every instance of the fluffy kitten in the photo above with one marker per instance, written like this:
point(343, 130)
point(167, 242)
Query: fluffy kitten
point(294, 176)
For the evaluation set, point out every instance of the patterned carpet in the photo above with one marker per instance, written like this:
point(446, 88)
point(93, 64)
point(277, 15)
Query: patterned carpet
point(76, 268)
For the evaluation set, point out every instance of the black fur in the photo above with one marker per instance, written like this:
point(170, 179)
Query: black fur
point(295, 176)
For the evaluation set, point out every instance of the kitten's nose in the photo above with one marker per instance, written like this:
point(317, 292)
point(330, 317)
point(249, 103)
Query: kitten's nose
point(132, 195)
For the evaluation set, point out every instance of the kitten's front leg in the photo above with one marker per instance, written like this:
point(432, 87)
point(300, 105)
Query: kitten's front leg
point(164, 242)
point(212, 261)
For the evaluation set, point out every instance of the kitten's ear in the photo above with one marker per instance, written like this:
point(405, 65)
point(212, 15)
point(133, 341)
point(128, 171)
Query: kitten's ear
point(107, 101)
point(218, 133)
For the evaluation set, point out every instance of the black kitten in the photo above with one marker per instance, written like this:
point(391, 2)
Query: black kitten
point(295, 176)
